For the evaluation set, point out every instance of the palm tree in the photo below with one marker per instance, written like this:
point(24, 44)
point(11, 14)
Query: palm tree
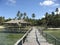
point(2, 19)
point(33, 15)
point(27, 18)
point(18, 15)
point(21, 15)
point(56, 11)
point(24, 15)
point(46, 17)
point(53, 13)
point(33, 21)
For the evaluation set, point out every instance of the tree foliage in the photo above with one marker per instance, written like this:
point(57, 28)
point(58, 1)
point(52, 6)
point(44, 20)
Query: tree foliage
point(50, 20)
point(53, 20)
point(2, 19)
point(33, 15)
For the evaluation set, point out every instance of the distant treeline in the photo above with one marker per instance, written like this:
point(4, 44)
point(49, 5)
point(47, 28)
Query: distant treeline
point(50, 20)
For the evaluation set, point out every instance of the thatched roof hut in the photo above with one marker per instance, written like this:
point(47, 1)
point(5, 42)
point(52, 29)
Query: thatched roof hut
point(16, 23)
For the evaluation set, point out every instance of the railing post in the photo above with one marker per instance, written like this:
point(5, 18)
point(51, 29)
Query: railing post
point(20, 43)
point(46, 36)
point(22, 40)
point(42, 32)
point(55, 41)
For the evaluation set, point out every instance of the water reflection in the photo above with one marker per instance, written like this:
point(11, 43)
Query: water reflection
point(9, 38)
point(13, 30)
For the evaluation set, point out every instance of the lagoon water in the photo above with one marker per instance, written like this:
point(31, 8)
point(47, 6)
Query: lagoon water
point(9, 38)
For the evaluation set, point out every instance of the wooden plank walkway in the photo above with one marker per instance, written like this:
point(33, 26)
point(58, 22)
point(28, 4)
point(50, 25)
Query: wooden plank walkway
point(35, 38)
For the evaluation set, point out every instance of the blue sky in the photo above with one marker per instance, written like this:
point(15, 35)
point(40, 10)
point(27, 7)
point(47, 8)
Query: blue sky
point(9, 8)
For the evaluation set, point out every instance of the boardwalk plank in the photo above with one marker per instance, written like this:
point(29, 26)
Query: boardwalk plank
point(31, 38)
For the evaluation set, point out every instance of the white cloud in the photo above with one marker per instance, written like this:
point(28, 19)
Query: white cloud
point(43, 16)
point(52, 0)
point(59, 9)
point(48, 3)
point(10, 2)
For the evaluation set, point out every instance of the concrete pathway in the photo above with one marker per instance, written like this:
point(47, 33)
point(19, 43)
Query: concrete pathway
point(35, 38)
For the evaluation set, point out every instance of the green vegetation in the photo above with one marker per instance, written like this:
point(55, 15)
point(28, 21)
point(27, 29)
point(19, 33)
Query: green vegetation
point(52, 36)
point(54, 32)
point(2, 19)
point(50, 20)
point(9, 38)
point(33, 15)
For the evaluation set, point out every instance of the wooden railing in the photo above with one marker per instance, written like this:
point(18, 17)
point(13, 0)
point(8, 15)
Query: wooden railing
point(22, 40)
point(50, 38)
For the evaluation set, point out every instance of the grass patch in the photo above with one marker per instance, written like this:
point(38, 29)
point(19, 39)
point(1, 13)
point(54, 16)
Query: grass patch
point(54, 33)
point(9, 38)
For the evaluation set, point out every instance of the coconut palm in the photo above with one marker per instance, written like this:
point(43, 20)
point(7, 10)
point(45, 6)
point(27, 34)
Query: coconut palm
point(33, 15)
point(57, 10)
point(24, 15)
point(21, 15)
point(18, 15)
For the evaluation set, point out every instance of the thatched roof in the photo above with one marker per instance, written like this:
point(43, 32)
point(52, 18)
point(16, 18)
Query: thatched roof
point(16, 21)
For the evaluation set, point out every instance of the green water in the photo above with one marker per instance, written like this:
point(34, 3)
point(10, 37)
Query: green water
point(9, 38)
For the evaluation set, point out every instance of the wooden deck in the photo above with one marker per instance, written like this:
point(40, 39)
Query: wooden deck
point(35, 38)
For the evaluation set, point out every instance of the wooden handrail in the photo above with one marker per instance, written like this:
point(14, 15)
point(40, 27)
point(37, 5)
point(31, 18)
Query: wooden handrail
point(21, 39)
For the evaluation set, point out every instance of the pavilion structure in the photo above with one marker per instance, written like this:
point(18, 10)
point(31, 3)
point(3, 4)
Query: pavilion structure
point(16, 23)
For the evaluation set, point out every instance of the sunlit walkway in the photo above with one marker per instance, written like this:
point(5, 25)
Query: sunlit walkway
point(35, 38)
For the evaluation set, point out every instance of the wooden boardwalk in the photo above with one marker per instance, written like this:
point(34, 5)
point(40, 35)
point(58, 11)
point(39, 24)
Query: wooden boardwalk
point(35, 38)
